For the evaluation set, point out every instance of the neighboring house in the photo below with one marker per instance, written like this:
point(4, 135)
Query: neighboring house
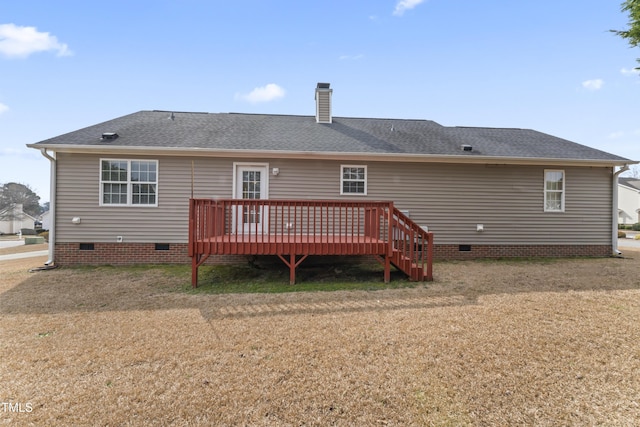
point(122, 187)
point(46, 220)
point(14, 219)
point(628, 200)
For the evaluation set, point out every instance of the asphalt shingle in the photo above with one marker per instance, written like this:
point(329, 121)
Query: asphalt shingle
point(288, 133)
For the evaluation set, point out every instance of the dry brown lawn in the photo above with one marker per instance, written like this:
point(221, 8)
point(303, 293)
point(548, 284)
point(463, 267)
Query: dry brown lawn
point(542, 343)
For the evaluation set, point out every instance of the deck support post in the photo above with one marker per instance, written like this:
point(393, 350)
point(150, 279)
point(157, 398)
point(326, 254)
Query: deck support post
point(292, 264)
point(387, 269)
point(429, 275)
point(196, 261)
point(194, 271)
point(292, 269)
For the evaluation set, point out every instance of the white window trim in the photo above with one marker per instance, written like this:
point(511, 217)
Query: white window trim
point(366, 178)
point(129, 184)
point(564, 190)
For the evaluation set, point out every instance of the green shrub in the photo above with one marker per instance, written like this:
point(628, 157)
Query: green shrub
point(636, 226)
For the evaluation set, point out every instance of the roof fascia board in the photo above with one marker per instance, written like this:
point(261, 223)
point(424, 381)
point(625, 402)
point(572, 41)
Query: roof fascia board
point(329, 155)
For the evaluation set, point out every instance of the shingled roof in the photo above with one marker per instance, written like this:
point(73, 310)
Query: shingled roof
point(630, 182)
point(288, 134)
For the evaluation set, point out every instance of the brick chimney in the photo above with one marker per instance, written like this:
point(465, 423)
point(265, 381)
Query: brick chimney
point(323, 103)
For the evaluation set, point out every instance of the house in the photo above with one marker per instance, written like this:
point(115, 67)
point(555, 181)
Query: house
point(628, 200)
point(122, 189)
point(45, 218)
point(13, 219)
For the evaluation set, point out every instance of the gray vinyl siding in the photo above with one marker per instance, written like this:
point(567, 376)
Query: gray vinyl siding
point(449, 199)
point(452, 199)
point(78, 193)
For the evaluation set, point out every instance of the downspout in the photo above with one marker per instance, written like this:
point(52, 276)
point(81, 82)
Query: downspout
point(614, 211)
point(52, 206)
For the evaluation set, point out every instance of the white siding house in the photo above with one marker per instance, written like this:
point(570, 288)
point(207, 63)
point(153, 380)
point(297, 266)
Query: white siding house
point(13, 219)
point(628, 200)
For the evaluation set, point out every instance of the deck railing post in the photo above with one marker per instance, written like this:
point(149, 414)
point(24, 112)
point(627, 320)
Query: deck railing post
point(191, 227)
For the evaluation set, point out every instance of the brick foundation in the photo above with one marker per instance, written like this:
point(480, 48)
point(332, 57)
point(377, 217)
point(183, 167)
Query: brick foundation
point(70, 254)
point(459, 252)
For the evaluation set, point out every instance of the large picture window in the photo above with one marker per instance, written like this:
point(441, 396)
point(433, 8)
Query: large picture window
point(353, 180)
point(554, 191)
point(129, 182)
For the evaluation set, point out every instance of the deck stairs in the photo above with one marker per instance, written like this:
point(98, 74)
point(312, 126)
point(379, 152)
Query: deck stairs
point(412, 247)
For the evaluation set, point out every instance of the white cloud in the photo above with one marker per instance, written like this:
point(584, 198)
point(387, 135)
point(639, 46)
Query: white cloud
point(266, 93)
point(403, 5)
point(616, 135)
point(3, 108)
point(351, 57)
point(630, 71)
point(595, 84)
point(11, 151)
point(20, 42)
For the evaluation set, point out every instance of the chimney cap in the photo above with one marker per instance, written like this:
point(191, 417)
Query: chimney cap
point(323, 85)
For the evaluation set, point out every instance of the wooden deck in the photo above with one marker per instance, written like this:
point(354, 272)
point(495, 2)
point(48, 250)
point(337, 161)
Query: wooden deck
point(274, 244)
point(295, 229)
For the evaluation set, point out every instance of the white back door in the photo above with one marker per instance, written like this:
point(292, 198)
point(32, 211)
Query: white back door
point(251, 184)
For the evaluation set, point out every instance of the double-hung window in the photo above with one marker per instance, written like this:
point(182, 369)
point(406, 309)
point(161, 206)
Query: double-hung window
point(128, 182)
point(554, 185)
point(353, 180)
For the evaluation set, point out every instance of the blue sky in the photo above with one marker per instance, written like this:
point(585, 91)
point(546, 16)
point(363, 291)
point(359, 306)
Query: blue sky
point(547, 65)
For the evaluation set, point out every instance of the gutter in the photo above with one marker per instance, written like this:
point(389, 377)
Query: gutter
point(52, 206)
point(326, 155)
point(614, 211)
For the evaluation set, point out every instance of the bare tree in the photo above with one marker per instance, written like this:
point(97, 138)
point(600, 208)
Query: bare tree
point(12, 194)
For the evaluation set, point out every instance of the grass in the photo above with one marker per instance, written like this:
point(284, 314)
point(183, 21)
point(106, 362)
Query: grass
point(317, 278)
point(268, 276)
point(271, 276)
point(487, 343)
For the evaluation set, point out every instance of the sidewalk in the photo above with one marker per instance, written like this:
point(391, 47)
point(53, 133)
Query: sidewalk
point(628, 243)
point(11, 243)
point(15, 242)
point(23, 255)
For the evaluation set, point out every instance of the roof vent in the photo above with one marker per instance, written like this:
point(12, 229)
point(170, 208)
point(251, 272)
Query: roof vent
point(323, 103)
point(466, 147)
point(109, 135)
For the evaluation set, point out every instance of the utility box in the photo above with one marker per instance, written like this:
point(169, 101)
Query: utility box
point(33, 240)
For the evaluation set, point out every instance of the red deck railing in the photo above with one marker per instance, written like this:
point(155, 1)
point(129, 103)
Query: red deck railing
point(295, 229)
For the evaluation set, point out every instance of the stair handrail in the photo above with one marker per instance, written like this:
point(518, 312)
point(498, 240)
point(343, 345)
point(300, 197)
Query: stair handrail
point(409, 237)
